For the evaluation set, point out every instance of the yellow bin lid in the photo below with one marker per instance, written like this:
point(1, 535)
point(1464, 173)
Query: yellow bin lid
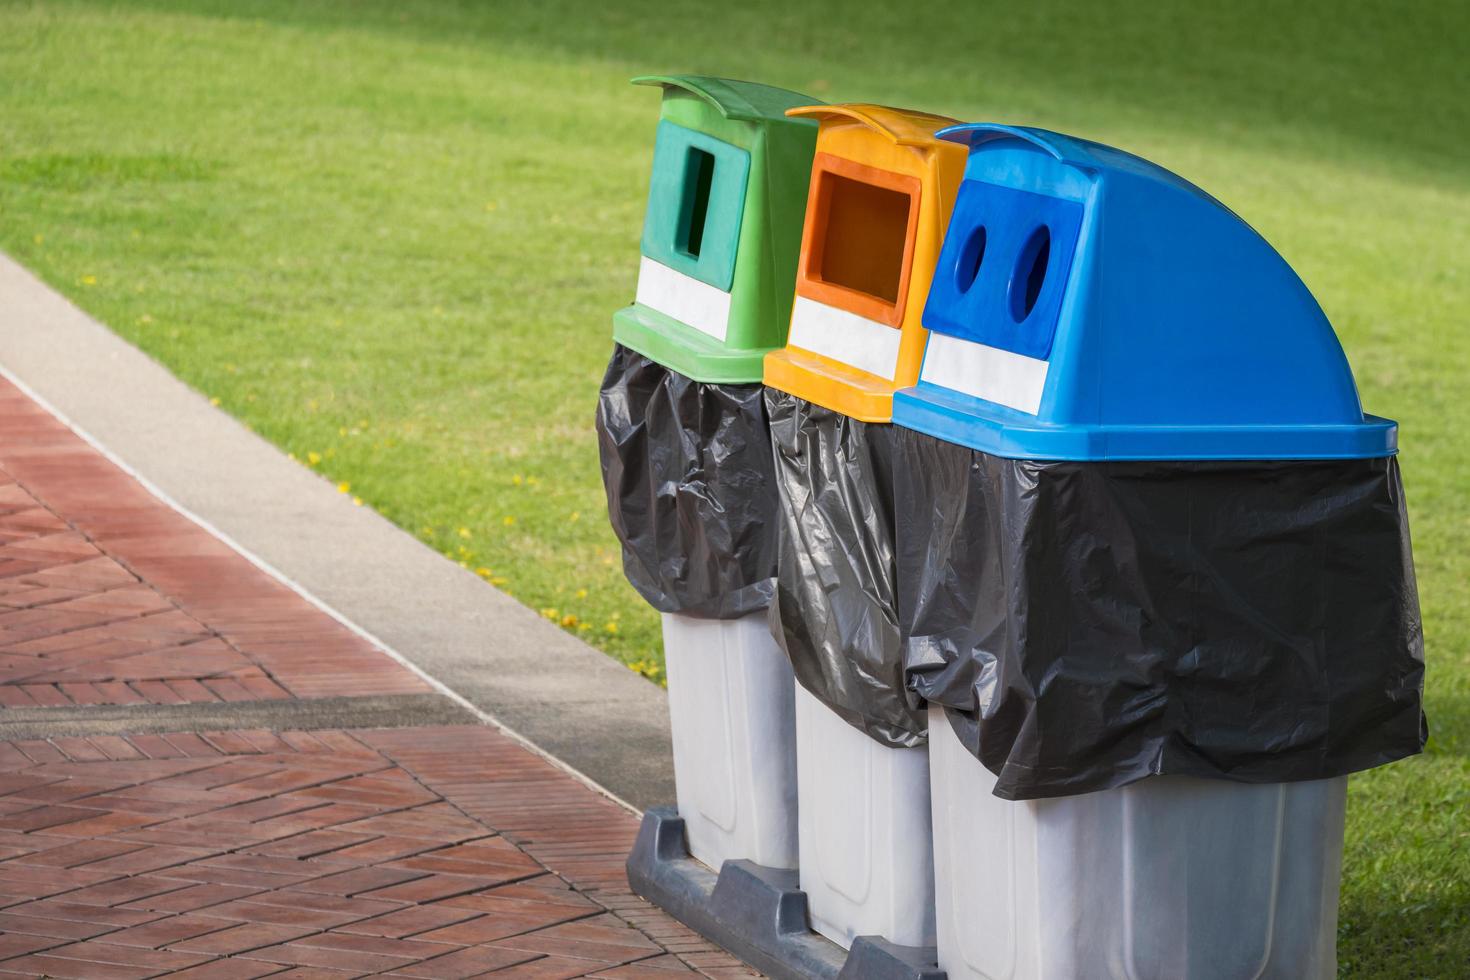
point(881, 193)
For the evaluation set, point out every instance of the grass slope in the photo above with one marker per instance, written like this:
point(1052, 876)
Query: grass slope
point(389, 237)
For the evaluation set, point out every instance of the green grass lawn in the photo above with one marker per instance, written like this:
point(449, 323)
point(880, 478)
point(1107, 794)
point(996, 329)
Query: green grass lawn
point(390, 236)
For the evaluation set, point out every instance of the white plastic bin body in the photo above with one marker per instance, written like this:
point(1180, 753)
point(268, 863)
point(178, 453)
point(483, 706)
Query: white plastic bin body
point(1171, 878)
point(734, 732)
point(867, 860)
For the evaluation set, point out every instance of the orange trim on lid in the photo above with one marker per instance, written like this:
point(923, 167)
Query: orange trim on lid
point(815, 233)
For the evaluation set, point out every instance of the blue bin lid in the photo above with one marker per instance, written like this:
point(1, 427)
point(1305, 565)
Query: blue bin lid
point(1090, 305)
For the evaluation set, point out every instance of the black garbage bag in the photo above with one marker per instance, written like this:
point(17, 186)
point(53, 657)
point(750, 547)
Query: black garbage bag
point(1090, 624)
point(834, 611)
point(690, 488)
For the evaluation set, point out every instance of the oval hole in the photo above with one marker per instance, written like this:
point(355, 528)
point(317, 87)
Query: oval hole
point(967, 266)
point(1030, 274)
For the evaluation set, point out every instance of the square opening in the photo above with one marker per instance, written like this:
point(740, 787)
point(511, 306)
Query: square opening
point(863, 245)
point(699, 177)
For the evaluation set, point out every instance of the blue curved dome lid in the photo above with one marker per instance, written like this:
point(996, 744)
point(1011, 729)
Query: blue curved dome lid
point(1088, 304)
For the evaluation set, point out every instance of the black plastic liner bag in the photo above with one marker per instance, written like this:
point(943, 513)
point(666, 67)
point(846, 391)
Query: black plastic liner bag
point(835, 610)
point(1090, 624)
point(690, 489)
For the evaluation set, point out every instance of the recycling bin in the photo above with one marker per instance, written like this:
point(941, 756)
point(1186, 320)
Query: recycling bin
point(881, 190)
point(686, 453)
point(1155, 580)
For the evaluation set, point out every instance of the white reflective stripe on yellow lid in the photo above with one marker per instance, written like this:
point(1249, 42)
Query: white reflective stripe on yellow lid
point(985, 372)
point(684, 298)
point(854, 340)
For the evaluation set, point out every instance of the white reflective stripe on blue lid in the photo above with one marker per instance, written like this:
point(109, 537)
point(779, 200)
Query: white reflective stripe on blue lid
point(684, 298)
point(990, 373)
point(854, 340)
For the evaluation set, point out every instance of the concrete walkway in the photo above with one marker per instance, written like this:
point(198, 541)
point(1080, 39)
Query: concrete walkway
point(206, 773)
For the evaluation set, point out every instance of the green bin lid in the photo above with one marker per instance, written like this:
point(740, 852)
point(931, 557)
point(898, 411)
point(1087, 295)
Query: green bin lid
point(752, 117)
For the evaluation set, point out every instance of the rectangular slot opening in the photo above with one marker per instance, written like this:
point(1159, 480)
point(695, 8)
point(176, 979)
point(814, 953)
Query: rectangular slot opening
point(699, 176)
point(863, 245)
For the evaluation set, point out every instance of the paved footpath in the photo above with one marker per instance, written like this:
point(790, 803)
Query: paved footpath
point(204, 775)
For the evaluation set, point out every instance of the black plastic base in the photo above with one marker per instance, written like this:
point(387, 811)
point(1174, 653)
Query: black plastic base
point(757, 913)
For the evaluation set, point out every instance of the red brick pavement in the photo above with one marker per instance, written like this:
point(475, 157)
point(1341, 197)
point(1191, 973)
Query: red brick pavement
point(411, 852)
point(428, 853)
point(109, 596)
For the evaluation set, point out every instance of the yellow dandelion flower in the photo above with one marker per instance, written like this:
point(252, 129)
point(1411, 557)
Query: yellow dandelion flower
point(313, 457)
point(344, 487)
point(464, 532)
point(647, 668)
point(517, 479)
point(489, 206)
point(576, 515)
point(583, 627)
point(357, 501)
point(144, 320)
point(611, 627)
point(499, 580)
point(549, 612)
point(569, 620)
point(38, 239)
point(214, 402)
point(508, 521)
point(464, 564)
point(88, 280)
point(581, 593)
point(483, 572)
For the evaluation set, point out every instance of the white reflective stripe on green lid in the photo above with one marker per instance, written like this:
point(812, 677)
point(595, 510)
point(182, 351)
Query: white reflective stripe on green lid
point(684, 298)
